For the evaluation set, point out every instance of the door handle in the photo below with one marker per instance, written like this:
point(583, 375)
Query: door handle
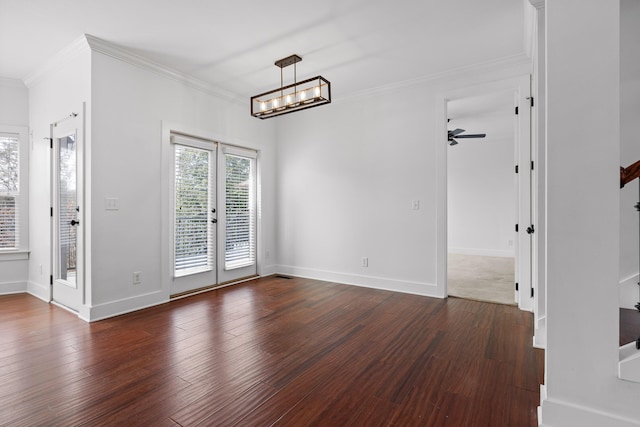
point(213, 221)
point(74, 222)
point(530, 230)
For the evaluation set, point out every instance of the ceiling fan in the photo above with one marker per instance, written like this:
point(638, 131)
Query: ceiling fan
point(456, 134)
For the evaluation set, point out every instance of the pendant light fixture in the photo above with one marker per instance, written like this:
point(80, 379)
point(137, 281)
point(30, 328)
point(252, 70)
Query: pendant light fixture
point(294, 97)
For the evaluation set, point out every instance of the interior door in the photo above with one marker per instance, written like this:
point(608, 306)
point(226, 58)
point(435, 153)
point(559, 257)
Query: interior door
point(67, 212)
point(526, 228)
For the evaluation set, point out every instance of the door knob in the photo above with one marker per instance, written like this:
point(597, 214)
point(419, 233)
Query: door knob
point(74, 222)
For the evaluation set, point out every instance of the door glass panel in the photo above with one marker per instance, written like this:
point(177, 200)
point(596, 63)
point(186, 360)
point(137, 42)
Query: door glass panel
point(193, 228)
point(240, 212)
point(67, 205)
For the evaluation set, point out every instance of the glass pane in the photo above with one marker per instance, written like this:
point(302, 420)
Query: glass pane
point(67, 203)
point(240, 231)
point(9, 186)
point(193, 230)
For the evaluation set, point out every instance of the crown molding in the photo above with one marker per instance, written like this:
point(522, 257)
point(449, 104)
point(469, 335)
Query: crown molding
point(538, 4)
point(118, 52)
point(13, 83)
point(78, 46)
point(512, 61)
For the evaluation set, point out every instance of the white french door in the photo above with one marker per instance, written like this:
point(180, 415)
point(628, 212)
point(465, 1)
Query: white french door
point(194, 215)
point(238, 222)
point(67, 212)
point(213, 213)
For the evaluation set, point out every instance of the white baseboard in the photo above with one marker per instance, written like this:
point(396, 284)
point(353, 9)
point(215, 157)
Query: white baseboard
point(481, 252)
point(629, 365)
point(629, 292)
point(267, 270)
point(122, 306)
point(417, 288)
point(540, 333)
point(558, 413)
point(39, 290)
point(13, 288)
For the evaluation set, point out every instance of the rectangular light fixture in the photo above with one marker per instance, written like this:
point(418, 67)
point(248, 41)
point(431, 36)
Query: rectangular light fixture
point(294, 97)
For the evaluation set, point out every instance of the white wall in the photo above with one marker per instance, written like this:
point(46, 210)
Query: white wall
point(629, 148)
point(481, 185)
point(348, 173)
point(57, 90)
point(14, 111)
point(14, 108)
point(583, 156)
point(130, 104)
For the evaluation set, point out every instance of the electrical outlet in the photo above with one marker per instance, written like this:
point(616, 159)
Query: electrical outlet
point(510, 242)
point(137, 277)
point(415, 205)
point(365, 262)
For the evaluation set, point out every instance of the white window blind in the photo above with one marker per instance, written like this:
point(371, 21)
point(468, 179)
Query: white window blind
point(193, 228)
point(240, 201)
point(9, 191)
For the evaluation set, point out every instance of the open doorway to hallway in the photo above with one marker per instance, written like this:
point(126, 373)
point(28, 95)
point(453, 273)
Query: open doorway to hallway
point(482, 198)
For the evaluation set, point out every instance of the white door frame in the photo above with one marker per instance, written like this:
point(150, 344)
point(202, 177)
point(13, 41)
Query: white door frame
point(526, 242)
point(169, 128)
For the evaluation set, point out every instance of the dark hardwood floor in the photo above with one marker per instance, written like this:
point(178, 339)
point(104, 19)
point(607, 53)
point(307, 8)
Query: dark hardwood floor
point(272, 351)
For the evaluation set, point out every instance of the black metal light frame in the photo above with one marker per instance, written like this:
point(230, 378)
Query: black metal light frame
point(294, 97)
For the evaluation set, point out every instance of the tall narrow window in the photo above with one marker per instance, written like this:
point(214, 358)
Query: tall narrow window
point(9, 191)
point(193, 228)
point(240, 201)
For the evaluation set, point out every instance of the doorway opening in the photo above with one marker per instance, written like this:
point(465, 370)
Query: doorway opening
point(482, 197)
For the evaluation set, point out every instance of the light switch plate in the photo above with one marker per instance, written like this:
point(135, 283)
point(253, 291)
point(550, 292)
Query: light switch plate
point(111, 203)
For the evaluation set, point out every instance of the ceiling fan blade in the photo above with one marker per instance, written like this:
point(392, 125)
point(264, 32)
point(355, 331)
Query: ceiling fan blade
point(456, 132)
point(472, 135)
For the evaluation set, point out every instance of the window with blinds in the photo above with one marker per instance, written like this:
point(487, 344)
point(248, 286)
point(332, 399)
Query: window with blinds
point(9, 191)
point(193, 228)
point(240, 200)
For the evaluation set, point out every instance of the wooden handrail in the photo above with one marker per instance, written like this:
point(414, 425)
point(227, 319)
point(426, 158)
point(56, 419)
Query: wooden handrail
point(629, 173)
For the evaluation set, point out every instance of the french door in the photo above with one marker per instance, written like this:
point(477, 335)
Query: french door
point(194, 214)
point(213, 213)
point(67, 212)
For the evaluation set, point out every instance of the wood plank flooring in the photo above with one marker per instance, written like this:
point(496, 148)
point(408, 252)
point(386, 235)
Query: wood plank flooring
point(274, 351)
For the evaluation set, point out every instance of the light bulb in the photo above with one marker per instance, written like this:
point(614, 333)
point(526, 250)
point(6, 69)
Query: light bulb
point(275, 103)
point(303, 95)
point(288, 99)
point(317, 91)
point(263, 106)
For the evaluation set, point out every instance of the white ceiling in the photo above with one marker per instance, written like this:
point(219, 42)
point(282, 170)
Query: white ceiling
point(232, 44)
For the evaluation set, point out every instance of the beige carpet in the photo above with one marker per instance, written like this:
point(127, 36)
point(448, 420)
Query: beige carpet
point(481, 278)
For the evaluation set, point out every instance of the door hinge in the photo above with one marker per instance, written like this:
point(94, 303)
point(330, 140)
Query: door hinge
point(531, 292)
point(51, 279)
point(531, 164)
point(51, 211)
point(531, 99)
point(531, 229)
point(516, 168)
point(516, 286)
point(50, 142)
point(516, 110)
point(516, 228)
